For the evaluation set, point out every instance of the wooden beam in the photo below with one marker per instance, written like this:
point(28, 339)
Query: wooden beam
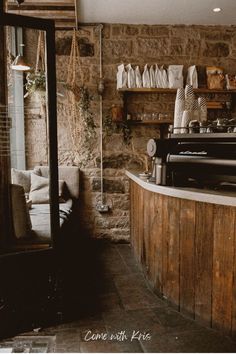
point(62, 12)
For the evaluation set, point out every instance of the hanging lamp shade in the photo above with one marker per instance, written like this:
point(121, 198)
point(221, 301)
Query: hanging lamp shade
point(20, 64)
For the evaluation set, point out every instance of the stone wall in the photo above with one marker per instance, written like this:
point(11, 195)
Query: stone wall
point(136, 44)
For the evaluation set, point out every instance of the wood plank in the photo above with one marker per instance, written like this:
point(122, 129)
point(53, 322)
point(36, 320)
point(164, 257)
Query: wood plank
point(171, 216)
point(140, 224)
point(168, 90)
point(137, 206)
point(156, 246)
point(62, 12)
point(203, 262)
point(234, 284)
point(42, 7)
point(189, 249)
point(131, 219)
point(223, 262)
point(187, 236)
point(147, 210)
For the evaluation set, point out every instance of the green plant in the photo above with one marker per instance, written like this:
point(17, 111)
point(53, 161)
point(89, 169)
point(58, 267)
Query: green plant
point(85, 113)
point(126, 133)
point(82, 125)
point(35, 81)
point(111, 127)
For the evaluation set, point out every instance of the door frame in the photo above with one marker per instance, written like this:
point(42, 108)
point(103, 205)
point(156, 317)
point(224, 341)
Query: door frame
point(48, 26)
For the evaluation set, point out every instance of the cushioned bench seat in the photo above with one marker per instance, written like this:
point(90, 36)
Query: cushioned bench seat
point(40, 219)
point(39, 215)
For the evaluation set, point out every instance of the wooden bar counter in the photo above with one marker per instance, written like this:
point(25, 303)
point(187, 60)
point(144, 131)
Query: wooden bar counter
point(185, 241)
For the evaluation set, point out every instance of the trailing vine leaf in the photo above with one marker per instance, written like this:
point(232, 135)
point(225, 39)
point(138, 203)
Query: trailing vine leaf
point(81, 124)
point(35, 82)
point(126, 133)
point(111, 127)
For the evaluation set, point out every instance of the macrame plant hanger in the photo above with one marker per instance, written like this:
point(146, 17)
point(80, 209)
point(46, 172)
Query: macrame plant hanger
point(40, 67)
point(73, 69)
point(40, 57)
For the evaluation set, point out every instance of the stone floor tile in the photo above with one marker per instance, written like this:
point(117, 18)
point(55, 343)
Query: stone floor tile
point(115, 265)
point(110, 347)
point(68, 348)
point(129, 321)
point(117, 298)
point(128, 281)
point(137, 298)
point(203, 341)
point(127, 256)
point(173, 321)
point(106, 285)
point(89, 331)
point(109, 301)
point(68, 336)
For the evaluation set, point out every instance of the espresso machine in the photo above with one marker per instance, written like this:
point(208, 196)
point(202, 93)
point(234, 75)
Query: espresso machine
point(194, 160)
point(156, 150)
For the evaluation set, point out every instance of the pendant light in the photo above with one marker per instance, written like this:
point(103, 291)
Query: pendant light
point(19, 63)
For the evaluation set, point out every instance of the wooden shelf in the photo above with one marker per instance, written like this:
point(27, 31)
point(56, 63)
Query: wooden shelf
point(150, 122)
point(167, 90)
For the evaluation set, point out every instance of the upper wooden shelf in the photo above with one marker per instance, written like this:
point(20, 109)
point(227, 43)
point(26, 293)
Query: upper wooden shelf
point(150, 122)
point(167, 90)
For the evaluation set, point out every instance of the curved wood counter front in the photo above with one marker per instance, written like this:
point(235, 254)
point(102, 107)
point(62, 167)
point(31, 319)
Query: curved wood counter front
point(186, 243)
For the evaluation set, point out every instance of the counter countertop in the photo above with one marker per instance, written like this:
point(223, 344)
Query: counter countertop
point(206, 196)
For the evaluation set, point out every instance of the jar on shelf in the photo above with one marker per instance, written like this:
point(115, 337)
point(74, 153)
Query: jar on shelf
point(117, 113)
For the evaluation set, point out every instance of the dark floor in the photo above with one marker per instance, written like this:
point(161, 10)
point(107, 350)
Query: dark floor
point(125, 306)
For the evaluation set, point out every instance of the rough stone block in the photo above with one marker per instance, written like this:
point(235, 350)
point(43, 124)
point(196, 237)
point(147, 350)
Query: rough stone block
point(121, 161)
point(155, 31)
point(119, 49)
point(116, 30)
point(177, 49)
point(110, 186)
point(63, 46)
point(131, 30)
point(218, 49)
point(106, 33)
point(86, 49)
point(217, 35)
point(152, 47)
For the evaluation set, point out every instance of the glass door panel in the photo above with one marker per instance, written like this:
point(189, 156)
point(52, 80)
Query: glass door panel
point(29, 138)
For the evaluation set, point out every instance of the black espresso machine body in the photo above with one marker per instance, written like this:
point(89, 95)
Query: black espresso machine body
point(199, 160)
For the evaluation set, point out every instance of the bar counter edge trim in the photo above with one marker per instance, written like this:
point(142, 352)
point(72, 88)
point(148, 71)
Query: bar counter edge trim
point(198, 196)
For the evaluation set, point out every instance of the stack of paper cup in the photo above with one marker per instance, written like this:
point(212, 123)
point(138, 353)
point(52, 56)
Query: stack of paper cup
point(202, 104)
point(189, 98)
point(187, 117)
point(196, 111)
point(179, 108)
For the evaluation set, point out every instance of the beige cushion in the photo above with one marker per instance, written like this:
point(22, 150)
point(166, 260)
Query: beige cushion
point(39, 192)
point(21, 178)
point(69, 174)
point(20, 213)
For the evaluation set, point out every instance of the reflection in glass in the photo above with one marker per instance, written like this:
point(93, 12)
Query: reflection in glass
point(27, 113)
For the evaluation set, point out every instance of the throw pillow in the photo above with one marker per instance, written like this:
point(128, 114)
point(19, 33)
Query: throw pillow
point(20, 213)
point(21, 178)
point(39, 192)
